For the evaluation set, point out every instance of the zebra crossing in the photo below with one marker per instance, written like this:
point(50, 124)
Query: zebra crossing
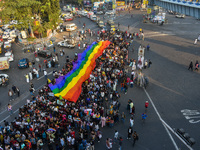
point(157, 34)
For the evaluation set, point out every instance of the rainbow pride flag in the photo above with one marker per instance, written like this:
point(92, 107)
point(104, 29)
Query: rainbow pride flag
point(69, 86)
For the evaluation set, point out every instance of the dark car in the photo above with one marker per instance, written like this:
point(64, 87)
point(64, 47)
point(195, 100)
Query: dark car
point(23, 63)
point(44, 53)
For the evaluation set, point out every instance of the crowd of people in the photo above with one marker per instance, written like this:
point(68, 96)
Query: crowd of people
point(58, 124)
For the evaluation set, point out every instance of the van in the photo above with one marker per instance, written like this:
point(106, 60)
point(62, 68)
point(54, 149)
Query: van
point(71, 27)
point(23, 34)
point(13, 34)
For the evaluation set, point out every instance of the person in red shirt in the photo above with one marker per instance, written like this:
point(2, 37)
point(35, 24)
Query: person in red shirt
point(146, 105)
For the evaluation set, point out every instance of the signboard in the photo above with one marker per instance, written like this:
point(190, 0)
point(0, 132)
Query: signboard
point(145, 2)
point(120, 3)
point(141, 51)
point(148, 10)
point(113, 6)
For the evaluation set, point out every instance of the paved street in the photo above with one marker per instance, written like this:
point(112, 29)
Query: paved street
point(173, 89)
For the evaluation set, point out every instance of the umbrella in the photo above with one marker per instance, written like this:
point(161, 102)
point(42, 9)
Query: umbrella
point(51, 129)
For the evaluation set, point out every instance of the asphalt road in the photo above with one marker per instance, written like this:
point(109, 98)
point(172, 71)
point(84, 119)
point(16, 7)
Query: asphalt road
point(173, 89)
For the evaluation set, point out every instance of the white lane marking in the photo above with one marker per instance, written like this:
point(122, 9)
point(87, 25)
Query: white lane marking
point(176, 147)
point(43, 75)
point(164, 124)
point(17, 103)
point(191, 114)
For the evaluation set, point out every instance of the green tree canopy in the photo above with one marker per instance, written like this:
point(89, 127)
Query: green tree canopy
point(26, 12)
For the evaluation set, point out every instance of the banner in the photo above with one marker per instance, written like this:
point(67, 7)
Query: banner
point(148, 10)
point(69, 86)
point(120, 3)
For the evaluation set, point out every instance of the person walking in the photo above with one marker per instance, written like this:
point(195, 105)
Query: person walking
point(14, 89)
point(135, 137)
point(27, 78)
point(30, 75)
point(18, 91)
point(120, 143)
point(144, 116)
point(148, 47)
point(54, 49)
point(149, 64)
point(116, 135)
point(131, 106)
point(103, 121)
point(197, 65)
point(10, 94)
point(130, 132)
point(146, 105)
point(131, 122)
point(108, 143)
point(10, 109)
point(128, 27)
point(190, 66)
point(123, 116)
point(145, 64)
point(45, 74)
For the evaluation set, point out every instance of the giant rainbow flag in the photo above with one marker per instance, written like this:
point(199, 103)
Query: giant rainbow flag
point(69, 86)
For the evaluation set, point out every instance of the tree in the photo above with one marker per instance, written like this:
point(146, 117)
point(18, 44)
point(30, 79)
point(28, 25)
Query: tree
point(26, 12)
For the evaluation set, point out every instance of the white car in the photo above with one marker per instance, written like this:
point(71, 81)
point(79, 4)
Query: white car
point(66, 44)
point(99, 12)
point(6, 26)
point(13, 22)
point(110, 13)
point(7, 44)
point(6, 35)
point(180, 16)
point(100, 24)
point(11, 40)
point(10, 56)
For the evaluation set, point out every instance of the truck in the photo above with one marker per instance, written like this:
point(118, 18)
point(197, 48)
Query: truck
point(4, 63)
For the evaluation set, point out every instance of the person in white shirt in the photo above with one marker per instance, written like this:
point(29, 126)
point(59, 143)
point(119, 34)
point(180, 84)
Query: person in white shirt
point(45, 74)
point(116, 135)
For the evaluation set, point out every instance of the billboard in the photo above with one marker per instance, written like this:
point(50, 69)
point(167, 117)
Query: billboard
point(120, 3)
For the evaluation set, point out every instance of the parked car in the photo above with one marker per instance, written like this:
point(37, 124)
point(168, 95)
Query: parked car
point(66, 44)
point(110, 21)
point(10, 56)
point(11, 40)
point(44, 53)
point(101, 24)
point(180, 16)
point(171, 12)
point(7, 44)
point(99, 12)
point(6, 79)
point(5, 35)
point(23, 63)
point(69, 19)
